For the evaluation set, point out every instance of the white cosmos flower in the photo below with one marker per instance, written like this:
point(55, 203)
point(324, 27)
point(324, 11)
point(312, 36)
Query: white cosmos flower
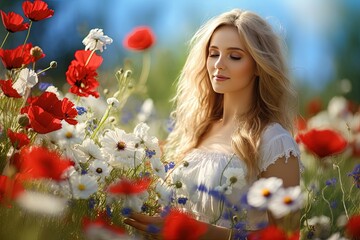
point(286, 201)
point(42, 203)
point(100, 168)
point(235, 177)
point(118, 144)
point(261, 191)
point(69, 134)
point(158, 167)
point(87, 150)
point(164, 193)
point(83, 186)
point(96, 40)
point(151, 143)
point(27, 79)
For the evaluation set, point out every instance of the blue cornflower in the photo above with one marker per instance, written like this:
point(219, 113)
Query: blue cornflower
point(356, 175)
point(92, 203)
point(44, 85)
point(81, 110)
point(144, 208)
point(331, 182)
point(108, 211)
point(126, 211)
point(83, 172)
point(333, 204)
point(182, 200)
point(169, 166)
point(150, 153)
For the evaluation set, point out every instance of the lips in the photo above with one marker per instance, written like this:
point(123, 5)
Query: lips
point(219, 77)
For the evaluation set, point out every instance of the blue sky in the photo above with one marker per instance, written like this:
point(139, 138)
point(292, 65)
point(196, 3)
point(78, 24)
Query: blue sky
point(307, 25)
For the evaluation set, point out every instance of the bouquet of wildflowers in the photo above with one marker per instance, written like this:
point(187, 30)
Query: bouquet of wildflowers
point(67, 170)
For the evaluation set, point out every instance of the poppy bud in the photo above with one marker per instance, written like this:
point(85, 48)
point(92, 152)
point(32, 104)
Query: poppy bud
point(36, 52)
point(53, 64)
point(23, 120)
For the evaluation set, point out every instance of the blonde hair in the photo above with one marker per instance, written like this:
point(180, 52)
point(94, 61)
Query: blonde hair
point(198, 106)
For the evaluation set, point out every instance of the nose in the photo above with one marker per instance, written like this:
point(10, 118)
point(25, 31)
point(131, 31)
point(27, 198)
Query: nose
point(219, 63)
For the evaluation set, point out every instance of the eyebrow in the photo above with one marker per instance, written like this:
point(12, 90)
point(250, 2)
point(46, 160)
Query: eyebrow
point(230, 48)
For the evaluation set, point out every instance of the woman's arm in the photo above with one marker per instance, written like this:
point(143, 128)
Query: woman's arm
point(288, 170)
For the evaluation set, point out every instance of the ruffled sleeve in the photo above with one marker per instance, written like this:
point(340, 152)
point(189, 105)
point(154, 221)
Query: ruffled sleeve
point(276, 143)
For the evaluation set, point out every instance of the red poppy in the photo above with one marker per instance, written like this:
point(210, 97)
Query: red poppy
point(129, 187)
point(39, 162)
point(13, 22)
point(36, 53)
point(352, 227)
point(101, 225)
point(323, 143)
point(268, 233)
point(37, 10)
point(46, 111)
point(81, 74)
point(10, 189)
point(180, 225)
point(15, 58)
point(7, 88)
point(139, 39)
point(82, 57)
point(18, 140)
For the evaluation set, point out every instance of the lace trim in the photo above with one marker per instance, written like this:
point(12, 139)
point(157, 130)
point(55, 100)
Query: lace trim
point(289, 152)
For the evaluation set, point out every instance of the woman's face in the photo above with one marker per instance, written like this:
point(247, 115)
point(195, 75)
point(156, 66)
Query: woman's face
point(231, 69)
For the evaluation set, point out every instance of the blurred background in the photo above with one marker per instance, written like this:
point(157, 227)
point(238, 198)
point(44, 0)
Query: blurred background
point(322, 36)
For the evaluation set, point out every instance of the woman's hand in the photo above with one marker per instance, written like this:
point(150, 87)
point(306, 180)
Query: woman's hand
point(149, 226)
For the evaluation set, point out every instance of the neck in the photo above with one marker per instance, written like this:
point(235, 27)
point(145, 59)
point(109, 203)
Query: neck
point(235, 105)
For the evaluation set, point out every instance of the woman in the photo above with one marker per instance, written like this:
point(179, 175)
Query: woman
point(234, 117)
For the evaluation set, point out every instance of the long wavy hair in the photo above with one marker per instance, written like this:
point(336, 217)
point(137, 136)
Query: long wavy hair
point(197, 106)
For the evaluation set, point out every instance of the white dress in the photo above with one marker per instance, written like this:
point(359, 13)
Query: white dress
point(201, 181)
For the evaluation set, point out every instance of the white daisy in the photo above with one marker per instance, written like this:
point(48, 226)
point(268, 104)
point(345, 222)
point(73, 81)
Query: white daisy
point(100, 168)
point(27, 79)
point(118, 143)
point(87, 150)
point(42, 203)
point(96, 40)
point(127, 162)
point(164, 193)
point(83, 186)
point(158, 167)
point(286, 201)
point(151, 143)
point(321, 225)
point(69, 134)
point(235, 177)
point(261, 191)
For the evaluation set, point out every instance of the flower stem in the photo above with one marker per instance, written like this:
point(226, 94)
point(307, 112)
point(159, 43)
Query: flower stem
point(342, 190)
point(6, 36)
point(145, 71)
point(88, 60)
point(28, 33)
point(327, 201)
point(102, 121)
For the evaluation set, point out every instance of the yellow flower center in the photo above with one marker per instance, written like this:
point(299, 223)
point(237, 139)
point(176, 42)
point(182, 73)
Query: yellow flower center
point(121, 145)
point(266, 193)
point(68, 135)
point(288, 200)
point(81, 187)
